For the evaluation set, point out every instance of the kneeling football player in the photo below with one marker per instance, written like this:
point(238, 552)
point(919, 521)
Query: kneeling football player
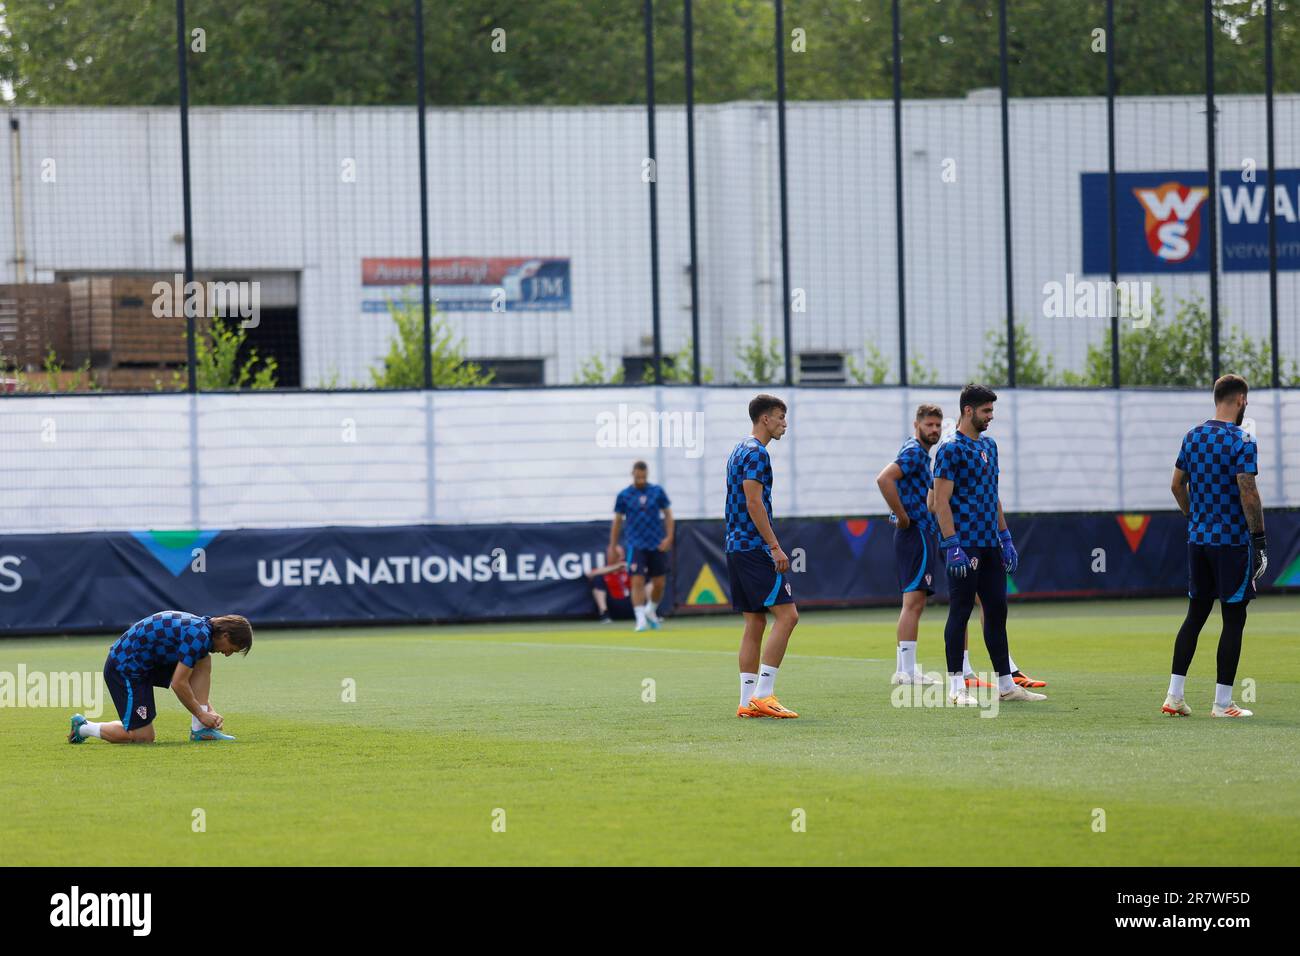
point(168, 649)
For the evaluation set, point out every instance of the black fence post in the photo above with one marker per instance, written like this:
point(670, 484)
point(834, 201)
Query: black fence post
point(1112, 235)
point(689, 32)
point(426, 291)
point(1211, 171)
point(190, 351)
point(785, 225)
point(1272, 219)
point(1006, 193)
point(898, 195)
point(654, 196)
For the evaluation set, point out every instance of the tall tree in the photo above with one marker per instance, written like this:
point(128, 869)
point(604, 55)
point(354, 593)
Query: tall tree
point(562, 52)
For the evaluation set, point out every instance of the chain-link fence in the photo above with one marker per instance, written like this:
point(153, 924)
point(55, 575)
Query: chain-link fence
point(1027, 192)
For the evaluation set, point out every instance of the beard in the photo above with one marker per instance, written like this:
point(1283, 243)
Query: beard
point(1241, 416)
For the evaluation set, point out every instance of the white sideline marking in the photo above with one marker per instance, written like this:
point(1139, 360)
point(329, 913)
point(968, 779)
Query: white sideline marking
point(654, 650)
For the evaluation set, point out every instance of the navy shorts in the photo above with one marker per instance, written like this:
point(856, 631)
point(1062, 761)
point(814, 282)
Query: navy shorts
point(648, 563)
point(1226, 572)
point(133, 696)
point(916, 559)
point(755, 583)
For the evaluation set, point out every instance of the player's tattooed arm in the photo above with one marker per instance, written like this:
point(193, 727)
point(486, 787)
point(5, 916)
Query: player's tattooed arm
point(1251, 504)
point(943, 508)
point(1002, 521)
point(670, 523)
point(1179, 487)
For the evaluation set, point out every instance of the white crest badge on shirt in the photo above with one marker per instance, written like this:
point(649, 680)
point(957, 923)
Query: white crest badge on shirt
point(985, 456)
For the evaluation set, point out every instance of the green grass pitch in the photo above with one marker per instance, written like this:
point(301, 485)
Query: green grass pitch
point(547, 723)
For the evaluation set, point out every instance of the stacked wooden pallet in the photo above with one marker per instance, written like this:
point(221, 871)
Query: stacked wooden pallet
point(133, 339)
point(33, 320)
point(118, 326)
point(92, 320)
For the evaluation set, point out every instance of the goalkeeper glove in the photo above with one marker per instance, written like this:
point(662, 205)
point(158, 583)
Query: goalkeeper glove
point(957, 560)
point(1259, 552)
point(1010, 559)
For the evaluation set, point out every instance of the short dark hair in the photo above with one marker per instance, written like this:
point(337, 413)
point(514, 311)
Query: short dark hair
point(760, 405)
point(1229, 385)
point(640, 466)
point(974, 396)
point(926, 410)
point(237, 629)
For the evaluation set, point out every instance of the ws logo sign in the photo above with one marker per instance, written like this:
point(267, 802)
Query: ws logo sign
point(1160, 221)
point(1172, 223)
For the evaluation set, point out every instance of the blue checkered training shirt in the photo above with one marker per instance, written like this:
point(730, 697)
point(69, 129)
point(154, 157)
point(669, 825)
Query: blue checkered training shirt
point(749, 460)
point(971, 464)
point(1213, 455)
point(914, 462)
point(641, 509)
point(162, 639)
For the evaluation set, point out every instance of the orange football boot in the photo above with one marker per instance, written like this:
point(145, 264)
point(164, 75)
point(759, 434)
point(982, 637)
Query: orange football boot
point(1025, 681)
point(771, 707)
point(748, 710)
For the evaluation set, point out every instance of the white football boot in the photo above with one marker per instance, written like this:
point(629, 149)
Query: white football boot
point(924, 680)
point(1019, 693)
point(1232, 710)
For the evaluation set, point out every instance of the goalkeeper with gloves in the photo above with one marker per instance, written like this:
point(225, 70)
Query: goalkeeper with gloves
point(976, 545)
point(1227, 553)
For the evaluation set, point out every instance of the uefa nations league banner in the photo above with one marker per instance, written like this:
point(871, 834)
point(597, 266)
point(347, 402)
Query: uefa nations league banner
point(851, 560)
point(105, 581)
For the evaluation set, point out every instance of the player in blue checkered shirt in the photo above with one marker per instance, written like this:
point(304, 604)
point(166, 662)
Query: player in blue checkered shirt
point(168, 649)
point(976, 543)
point(1214, 485)
point(644, 514)
point(757, 568)
point(905, 484)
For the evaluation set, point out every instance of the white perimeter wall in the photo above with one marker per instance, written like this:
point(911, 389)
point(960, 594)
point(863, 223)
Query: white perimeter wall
point(268, 460)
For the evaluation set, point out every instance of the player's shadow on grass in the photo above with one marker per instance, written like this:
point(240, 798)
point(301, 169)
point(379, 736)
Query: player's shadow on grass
point(169, 744)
